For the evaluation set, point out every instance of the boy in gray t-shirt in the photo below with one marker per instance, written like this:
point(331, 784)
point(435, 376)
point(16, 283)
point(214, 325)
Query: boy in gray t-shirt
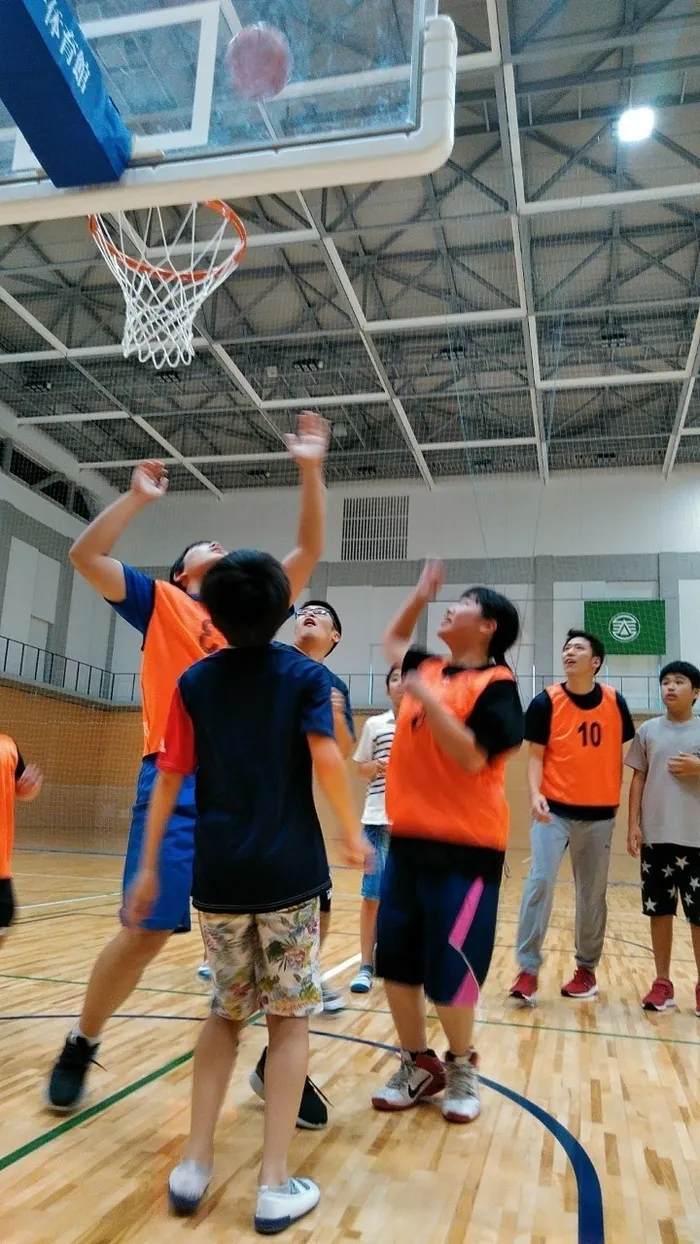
point(664, 822)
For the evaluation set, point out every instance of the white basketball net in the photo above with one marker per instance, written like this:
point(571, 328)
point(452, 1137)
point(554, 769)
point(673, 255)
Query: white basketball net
point(163, 297)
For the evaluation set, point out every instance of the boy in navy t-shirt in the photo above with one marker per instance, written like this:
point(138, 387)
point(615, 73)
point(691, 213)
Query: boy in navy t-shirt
point(253, 721)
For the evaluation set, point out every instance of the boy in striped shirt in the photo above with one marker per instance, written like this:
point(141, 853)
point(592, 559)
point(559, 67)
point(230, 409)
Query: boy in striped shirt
point(371, 758)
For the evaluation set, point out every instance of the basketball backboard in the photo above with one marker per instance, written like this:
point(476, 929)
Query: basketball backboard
point(372, 96)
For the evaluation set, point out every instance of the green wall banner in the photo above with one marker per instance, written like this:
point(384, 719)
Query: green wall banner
point(628, 627)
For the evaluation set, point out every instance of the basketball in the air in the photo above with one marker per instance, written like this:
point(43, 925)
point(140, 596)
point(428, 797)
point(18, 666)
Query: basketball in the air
point(259, 61)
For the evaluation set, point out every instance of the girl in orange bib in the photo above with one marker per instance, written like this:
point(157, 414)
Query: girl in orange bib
point(459, 720)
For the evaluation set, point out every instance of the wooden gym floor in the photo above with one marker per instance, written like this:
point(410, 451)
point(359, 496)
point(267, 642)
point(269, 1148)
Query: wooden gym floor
point(582, 1101)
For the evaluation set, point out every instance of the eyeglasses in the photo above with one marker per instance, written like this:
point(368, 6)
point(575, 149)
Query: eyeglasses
point(314, 611)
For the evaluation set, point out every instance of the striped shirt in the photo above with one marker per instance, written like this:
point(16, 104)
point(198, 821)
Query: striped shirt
point(375, 744)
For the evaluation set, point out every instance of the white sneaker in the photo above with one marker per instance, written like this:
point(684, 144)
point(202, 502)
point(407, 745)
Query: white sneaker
point(461, 1101)
point(423, 1076)
point(187, 1184)
point(278, 1208)
point(204, 972)
point(332, 1001)
point(362, 983)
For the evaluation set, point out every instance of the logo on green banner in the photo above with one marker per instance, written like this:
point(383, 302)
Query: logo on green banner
point(628, 627)
point(624, 627)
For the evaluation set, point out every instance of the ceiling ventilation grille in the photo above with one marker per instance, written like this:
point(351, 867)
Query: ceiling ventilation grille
point(374, 529)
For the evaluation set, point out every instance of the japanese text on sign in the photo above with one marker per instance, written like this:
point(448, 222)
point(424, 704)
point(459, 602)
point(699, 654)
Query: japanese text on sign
point(69, 49)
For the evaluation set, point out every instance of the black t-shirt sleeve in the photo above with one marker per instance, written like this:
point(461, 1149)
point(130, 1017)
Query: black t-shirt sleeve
point(628, 730)
point(497, 718)
point(20, 766)
point(538, 719)
point(414, 658)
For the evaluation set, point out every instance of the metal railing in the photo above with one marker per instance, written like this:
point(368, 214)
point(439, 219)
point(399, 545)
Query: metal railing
point(367, 689)
point(641, 691)
point(37, 665)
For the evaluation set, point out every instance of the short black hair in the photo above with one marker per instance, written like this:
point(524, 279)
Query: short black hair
point(247, 594)
point(685, 669)
point(179, 565)
point(597, 645)
point(497, 608)
point(393, 670)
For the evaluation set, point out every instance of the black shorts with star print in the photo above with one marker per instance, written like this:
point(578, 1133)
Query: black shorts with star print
point(667, 871)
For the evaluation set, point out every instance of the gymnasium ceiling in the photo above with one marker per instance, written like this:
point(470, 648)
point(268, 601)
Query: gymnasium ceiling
point(533, 307)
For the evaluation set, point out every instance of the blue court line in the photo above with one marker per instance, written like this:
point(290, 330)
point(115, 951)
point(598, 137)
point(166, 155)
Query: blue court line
point(591, 1222)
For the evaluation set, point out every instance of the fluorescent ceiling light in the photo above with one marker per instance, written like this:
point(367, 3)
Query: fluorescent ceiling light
point(635, 125)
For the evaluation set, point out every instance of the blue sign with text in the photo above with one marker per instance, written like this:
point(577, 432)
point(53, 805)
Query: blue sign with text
point(53, 88)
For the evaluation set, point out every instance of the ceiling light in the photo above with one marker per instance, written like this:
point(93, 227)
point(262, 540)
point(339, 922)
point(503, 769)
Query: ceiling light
point(613, 334)
point(635, 125)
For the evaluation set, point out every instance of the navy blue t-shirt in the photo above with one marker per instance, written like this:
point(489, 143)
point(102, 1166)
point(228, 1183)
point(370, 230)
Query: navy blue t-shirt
point(240, 719)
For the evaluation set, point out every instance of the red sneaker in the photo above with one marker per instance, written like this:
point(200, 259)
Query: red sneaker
point(422, 1076)
point(697, 999)
point(525, 988)
point(660, 996)
point(582, 985)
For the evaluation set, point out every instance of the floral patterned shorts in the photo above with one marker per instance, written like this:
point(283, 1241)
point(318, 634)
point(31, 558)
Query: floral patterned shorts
point(266, 961)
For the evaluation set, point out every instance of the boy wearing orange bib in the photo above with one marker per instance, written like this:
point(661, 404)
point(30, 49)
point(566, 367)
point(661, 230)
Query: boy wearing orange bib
point(177, 631)
point(17, 781)
point(459, 720)
point(576, 731)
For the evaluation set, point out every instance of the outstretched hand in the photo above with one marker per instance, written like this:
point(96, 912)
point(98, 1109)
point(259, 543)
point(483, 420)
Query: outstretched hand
point(149, 480)
point(415, 688)
point(141, 898)
point(29, 785)
point(357, 853)
point(310, 444)
point(431, 580)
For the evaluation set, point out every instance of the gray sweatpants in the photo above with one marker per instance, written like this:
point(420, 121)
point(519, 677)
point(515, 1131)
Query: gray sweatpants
point(589, 845)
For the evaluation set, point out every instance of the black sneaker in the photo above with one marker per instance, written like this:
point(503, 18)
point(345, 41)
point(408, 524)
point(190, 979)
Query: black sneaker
point(66, 1088)
point(313, 1114)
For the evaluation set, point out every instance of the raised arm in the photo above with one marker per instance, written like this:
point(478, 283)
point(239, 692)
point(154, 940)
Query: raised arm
point(453, 738)
point(398, 634)
point(308, 449)
point(91, 553)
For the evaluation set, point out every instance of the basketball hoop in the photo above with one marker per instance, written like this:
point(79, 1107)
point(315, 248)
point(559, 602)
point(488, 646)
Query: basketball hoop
point(162, 300)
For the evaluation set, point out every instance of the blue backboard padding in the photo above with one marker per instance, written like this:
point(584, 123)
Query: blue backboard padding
point(53, 88)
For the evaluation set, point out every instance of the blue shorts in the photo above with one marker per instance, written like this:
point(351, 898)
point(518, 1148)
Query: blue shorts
point(435, 928)
point(171, 911)
point(379, 838)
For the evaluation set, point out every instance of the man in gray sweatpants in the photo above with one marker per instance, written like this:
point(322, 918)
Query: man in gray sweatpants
point(576, 731)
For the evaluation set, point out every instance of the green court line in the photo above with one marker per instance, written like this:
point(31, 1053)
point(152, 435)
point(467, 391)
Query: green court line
point(583, 1032)
point(91, 1112)
point(83, 1116)
point(67, 1126)
point(60, 980)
